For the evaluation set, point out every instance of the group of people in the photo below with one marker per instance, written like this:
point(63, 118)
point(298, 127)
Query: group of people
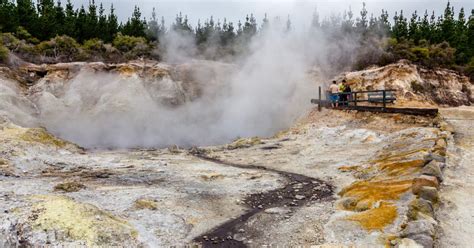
point(340, 94)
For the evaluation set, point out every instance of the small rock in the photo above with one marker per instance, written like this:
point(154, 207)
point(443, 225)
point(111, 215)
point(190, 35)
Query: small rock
point(418, 227)
point(300, 197)
point(429, 193)
point(424, 240)
point(363, 205)
point(435, 157)
point(444, 126)
point(433, 169)
point(298, 186)
point(418, 206)
point(277, 210)
point(241, 230)
point(408, 243)
point(424, 180)
point(441, 143)
point(348, 203)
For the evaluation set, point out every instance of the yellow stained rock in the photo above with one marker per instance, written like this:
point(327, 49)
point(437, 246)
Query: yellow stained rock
point(81, 222)
point(146, 204)
point(245, 143)
point(348, 168)
point(371, 192)
point(212, 176)
point(69, 187)
point(376, 218)
point(401, 168)
point(40, 135)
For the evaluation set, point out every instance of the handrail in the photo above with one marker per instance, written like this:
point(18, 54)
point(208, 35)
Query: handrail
point(354, 99)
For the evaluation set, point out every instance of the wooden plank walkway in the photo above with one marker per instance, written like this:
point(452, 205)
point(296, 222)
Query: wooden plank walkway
point(380, 109)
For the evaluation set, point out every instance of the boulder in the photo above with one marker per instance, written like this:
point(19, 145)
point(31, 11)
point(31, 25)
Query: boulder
point(433, 168)
point(436, 157)
point(418, 227)
point(424, 180)
point(429, 194)
point(444, 126)
point(420, 208)
point(424, 240)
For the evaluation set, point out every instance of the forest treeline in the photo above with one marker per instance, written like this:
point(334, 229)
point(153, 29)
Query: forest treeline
point(47, 31)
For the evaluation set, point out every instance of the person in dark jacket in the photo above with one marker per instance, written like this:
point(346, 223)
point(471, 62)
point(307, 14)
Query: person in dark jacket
point(345, 97)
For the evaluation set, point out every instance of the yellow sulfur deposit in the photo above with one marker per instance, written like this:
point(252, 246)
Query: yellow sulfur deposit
point(40, 135)
point(372, 191)
point(146, 204)
point(81, 222)
point(401, 168)
point(376, 218)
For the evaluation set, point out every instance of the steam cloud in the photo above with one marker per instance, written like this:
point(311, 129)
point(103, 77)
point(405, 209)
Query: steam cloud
point(263, 93)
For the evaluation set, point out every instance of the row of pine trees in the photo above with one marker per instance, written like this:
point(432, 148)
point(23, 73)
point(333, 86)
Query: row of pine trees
point(45, 19)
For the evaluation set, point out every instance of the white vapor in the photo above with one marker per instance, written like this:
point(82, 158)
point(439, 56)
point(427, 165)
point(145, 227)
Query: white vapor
point(262, 93)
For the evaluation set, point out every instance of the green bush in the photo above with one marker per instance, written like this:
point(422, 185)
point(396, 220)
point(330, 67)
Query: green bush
point(59, 47)
point(420, 54)
point(3, 53)
point(125, 43)
point(94, 45)
point(23, 34)
point(9, 41)
point(470, 69)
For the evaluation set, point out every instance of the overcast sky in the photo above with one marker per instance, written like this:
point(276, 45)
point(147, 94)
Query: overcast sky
point(300, 11)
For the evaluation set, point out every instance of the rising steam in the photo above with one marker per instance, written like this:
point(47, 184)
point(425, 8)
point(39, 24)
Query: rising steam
point(258, 95)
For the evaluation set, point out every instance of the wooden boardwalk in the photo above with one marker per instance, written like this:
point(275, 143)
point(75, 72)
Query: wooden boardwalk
point(353, 104)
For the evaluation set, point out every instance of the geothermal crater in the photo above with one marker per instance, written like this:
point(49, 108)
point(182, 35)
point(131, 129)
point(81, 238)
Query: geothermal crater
point(183, 164)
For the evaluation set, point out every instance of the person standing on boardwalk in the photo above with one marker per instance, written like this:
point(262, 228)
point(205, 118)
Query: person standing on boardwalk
point(346, 97)
point(334, 94)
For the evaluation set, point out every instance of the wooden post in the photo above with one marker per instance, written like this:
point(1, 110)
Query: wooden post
point(319, 104)
point(355, 99)
point(384, 99)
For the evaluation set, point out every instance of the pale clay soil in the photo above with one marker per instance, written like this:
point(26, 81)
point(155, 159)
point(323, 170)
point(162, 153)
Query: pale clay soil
point(456, 216)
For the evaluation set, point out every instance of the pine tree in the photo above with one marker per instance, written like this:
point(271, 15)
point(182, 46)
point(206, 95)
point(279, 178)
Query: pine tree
point(47, 19)
point(413, 28)
point(288, 24)
point(91, 22)
point(264, 23)
point(470, 36)
point(60, 18)
point(135, 26)
point(384, 24)
point(362, 23)
point(27, 16)
point(153, 27)
point(9, 19)
point(400, 27)
point(448, 25)
point(347, 24)
point(81, 26)
point(69, 27)
point(112, 25)
point(315, 24)
point(424, 27)
point(102, 23)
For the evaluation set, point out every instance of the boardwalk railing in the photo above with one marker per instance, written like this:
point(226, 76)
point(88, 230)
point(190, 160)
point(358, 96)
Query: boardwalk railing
point(351, 100)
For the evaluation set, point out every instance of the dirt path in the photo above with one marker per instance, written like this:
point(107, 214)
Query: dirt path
point(457, 212)
point(298, 191)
